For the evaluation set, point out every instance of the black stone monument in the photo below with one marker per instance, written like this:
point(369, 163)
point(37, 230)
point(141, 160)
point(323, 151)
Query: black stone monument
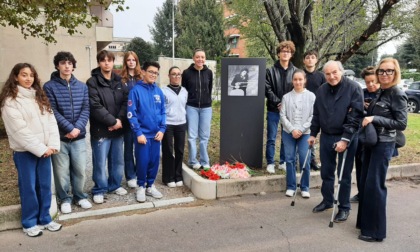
point(242, 110)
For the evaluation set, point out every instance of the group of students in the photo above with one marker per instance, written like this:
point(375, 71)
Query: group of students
point(336, 107)
point(46, 125)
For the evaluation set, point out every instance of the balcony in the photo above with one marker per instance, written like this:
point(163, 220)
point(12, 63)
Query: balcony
point(104, 27)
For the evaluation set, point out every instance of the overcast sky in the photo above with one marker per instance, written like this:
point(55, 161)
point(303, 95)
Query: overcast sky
point(135, 21)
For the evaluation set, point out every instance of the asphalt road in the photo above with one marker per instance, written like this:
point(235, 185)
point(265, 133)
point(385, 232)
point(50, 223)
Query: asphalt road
point(264, 222)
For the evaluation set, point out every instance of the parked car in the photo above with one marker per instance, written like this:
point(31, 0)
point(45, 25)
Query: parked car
point(413, 94)
point(361, 82)
point(403, 86)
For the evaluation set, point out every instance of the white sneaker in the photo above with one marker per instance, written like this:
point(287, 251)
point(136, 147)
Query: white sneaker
point(290, 193)
point(52, 226)
point(152, 191)
point(270, 168)
point(282, 166)
point(132, 183)
point(120, 191)
point(141, 194)
point(179, 183)
point(206, 167)
point(65, 208)
point(98, 198)
point(171, 184)
point(196, 166)
point(305, 194)
point(33, 231)
point(84, 203)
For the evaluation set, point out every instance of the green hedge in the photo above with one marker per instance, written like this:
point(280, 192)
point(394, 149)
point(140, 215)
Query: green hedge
point(415, 76)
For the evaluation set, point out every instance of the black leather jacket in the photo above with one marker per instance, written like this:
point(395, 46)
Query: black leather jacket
point(390, 113)
point(274, 90)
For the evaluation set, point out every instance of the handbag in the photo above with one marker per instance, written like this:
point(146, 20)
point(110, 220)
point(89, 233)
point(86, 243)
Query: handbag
point(368, 136)
point(399, 139)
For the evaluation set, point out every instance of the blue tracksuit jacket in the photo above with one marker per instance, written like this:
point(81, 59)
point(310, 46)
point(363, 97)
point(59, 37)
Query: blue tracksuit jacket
point(146, 109)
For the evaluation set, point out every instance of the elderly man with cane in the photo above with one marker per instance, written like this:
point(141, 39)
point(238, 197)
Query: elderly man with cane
point(338, 110)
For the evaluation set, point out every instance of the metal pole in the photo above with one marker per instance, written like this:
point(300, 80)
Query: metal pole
point(89, 47)
point(173, 32)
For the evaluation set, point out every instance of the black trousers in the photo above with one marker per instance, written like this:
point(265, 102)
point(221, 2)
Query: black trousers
point(173, 143)
point(358, 160)
point(371, 218)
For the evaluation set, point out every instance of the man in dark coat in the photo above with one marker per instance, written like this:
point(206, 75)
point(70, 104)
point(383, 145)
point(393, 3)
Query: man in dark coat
point(338, 111)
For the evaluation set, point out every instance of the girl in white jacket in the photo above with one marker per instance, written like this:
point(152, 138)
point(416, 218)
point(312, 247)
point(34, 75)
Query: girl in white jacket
point(33, 136)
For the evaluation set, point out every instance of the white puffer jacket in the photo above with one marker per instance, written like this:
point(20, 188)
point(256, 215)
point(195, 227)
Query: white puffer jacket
point(26, 127)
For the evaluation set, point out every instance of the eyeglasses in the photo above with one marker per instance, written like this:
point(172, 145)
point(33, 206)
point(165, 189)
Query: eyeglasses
point(286, 52)
point(385, 71)
point(153, 73)
point(175, 75)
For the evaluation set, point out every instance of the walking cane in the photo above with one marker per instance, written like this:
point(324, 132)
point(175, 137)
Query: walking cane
point(301, 175)
point(338, 188)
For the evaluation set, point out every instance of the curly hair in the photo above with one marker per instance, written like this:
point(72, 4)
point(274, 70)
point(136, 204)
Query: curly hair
point(67, 56)
point(286, 45)
point(137, 70)
point(10, 88)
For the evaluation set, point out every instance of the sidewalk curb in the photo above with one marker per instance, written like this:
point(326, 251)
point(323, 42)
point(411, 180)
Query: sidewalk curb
point(112, 210)
point(208, 190)
point(201, 188)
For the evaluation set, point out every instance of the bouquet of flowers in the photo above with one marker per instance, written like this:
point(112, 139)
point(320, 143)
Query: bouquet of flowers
point(227, 170)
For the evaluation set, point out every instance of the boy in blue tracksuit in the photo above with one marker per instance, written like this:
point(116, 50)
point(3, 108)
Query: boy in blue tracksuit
point(146, 114)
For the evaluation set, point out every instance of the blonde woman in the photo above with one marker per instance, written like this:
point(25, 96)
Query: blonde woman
point(388, 113)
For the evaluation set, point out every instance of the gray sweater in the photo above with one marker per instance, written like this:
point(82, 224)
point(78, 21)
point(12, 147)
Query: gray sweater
point(296, 111)
point(175, 106)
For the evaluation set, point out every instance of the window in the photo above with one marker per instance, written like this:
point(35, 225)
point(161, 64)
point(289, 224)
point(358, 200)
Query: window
point(233, 41)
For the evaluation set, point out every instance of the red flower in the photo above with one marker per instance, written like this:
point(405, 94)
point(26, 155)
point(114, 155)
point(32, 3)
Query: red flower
point(209, 174)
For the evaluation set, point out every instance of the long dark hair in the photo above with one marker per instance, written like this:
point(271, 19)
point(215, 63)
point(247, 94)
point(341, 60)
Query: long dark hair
point(10, 88)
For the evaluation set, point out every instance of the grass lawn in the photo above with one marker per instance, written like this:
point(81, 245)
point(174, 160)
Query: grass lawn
point(9, 192)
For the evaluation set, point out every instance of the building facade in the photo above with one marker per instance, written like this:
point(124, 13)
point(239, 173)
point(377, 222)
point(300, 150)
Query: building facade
point(15, 49)
point(236, 45)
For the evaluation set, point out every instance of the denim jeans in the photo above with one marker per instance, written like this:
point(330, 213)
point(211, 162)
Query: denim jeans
point(301, 146)
point(34, 178)
point(371, 217)
point(273, 119)
point(69, 166)
point(329, 166)
point(147, 165)
point(103, 149)
point(129, 166)
point(199, 122)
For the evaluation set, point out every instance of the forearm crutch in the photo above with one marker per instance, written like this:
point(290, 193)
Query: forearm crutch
point(301, 175)
point(338, 189)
